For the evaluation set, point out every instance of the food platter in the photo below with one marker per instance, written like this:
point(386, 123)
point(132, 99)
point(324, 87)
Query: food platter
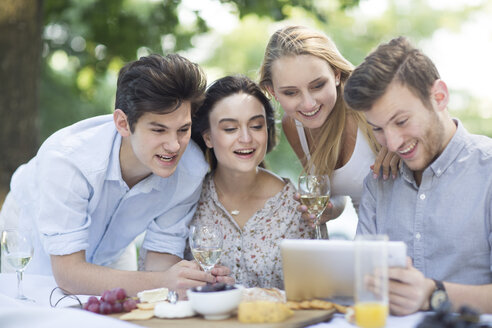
point(301, 318)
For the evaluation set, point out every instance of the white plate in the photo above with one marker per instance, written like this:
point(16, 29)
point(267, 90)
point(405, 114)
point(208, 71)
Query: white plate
point(182, 309)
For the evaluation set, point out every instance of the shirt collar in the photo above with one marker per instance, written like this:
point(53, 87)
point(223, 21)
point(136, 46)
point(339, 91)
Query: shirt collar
point(114, 171)
point(114, 168)
point(452, 150)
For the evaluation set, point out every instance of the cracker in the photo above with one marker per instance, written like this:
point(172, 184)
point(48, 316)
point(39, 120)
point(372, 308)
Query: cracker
point(321, 305)
point(314, 305)
point(305, 305)
point(146, 306)
point(138, 314)
point(340, 308)
point(293, 305)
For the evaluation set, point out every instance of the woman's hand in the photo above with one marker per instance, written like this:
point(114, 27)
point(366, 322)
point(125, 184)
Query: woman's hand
point(222, 274)
point(389, 161)
point(330, 212)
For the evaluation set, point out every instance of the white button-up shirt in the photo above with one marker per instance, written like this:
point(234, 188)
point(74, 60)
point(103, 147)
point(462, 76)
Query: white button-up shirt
point(73, 195)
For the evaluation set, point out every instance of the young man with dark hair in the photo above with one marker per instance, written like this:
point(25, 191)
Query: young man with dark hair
point(440, 204)
point(96, 185)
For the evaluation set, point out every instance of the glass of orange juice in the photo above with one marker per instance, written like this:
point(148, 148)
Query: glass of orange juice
point(371, 281)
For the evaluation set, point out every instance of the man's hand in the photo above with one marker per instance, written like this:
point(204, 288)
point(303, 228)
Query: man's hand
point(409, 290)
point(388, 161)
point(186, 274)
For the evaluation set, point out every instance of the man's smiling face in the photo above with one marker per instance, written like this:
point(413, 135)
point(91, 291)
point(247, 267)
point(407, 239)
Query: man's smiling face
point(407, 127)
point(156, 144)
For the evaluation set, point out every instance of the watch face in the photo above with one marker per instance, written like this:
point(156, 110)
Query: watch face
point(438, 297)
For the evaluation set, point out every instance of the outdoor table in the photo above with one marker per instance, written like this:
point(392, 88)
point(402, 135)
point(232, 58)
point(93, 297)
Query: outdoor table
point(14, 313)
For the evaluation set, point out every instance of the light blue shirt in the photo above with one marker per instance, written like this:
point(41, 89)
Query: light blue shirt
point(73, 193)
point(446, 222)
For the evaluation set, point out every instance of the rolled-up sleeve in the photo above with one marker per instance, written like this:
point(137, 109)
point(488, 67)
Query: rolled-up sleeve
point(168, 232)
point(488, 219)
point(62, 214)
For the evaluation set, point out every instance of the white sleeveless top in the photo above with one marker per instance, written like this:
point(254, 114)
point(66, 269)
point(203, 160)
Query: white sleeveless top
point(347, 180)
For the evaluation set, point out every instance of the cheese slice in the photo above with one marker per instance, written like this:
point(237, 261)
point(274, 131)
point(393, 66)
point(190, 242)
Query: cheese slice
point(263, 312)
point(153, 295)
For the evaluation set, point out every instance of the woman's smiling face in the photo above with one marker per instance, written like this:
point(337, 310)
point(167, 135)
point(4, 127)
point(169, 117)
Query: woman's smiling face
point(238, 132)
point(306, 88)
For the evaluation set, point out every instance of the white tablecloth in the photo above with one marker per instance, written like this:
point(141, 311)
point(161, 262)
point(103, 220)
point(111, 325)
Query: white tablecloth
point(18, 314)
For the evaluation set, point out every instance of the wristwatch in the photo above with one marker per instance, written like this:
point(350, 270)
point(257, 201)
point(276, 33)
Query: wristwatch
point(438, 296)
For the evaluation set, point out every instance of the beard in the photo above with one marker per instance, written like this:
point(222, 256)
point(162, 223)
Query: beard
point(431, 143)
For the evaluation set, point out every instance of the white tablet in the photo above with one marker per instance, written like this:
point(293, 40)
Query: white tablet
point(324, 269)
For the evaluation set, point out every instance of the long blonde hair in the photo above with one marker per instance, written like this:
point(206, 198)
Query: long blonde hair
point(300, 40)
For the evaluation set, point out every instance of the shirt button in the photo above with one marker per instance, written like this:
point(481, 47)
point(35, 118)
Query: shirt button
point(439, 171)
point(422, 196)
point(239, 248)
point(418, 235)
point(237, 264)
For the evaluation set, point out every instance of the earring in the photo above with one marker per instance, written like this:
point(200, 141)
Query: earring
point(337, 82)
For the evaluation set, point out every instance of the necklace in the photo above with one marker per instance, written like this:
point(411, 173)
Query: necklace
point(234, 212)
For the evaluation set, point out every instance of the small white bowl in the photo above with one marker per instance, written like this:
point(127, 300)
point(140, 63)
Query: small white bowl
point(215, 305)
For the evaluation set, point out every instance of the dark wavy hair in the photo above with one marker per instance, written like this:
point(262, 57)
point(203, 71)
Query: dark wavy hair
point(219, 90)
point(158, 84)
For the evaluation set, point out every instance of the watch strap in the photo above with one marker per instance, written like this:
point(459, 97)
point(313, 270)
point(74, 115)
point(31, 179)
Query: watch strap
point(438, 297)
point(439, 285)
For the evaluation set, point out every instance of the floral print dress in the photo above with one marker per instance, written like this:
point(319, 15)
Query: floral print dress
point(252, 253)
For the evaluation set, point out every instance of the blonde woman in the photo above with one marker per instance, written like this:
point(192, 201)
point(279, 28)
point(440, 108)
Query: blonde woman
point(305, 72)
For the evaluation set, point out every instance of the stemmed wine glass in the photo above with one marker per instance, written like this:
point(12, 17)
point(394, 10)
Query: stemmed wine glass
point(315, 194)
point(17, 251)
point(206, 245)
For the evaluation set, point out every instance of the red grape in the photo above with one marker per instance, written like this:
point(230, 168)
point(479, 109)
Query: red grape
point(120, 294)
point(111, 298)
point(111, 301)
point(129, 304)
point(93, 299)
point(105, 308)
point(104, 295)
point(93, 307)
point(117, 307)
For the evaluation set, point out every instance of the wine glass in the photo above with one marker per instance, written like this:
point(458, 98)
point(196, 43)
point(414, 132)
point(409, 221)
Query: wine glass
point(17, 251)
point(315, 194)
point(206, 245)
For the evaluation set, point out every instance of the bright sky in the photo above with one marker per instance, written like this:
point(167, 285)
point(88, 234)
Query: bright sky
point(462, 57)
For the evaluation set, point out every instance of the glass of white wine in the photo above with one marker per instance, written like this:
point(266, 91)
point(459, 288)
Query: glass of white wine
point(17, 251)
point(206, 245)
point(315, 194)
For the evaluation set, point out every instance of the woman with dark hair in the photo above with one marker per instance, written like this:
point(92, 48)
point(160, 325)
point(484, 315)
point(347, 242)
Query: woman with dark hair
point(96, 185)
point(254, 208)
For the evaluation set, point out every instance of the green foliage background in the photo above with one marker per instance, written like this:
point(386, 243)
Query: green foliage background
point(118, 31)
